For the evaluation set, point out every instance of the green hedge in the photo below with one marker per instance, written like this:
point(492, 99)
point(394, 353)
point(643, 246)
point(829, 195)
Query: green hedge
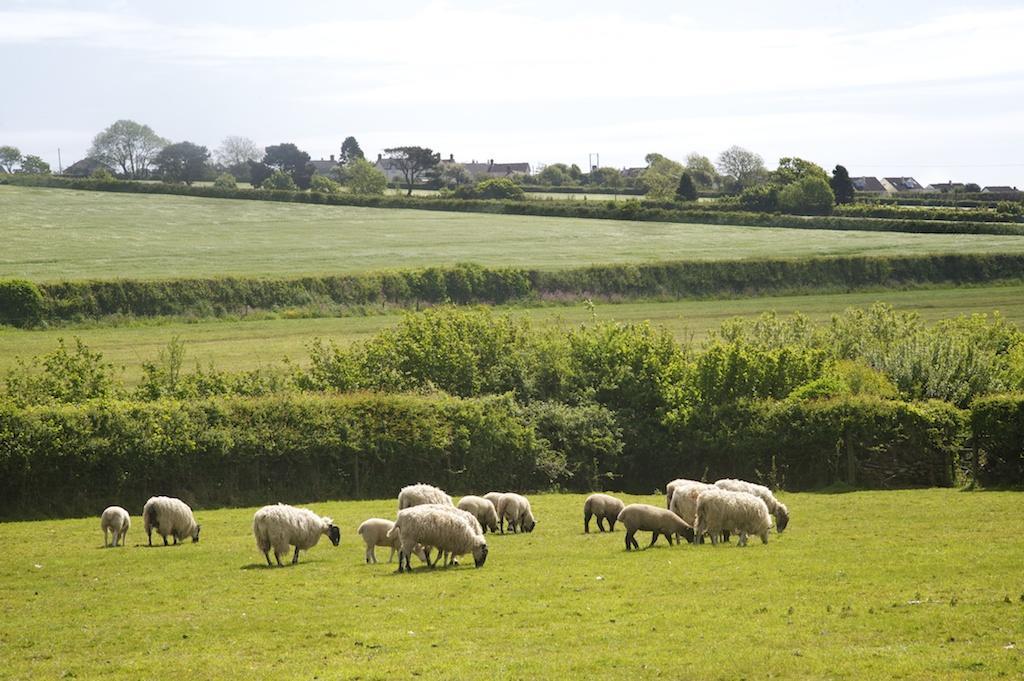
point(611, 209)
point(469, 283)
point(998, 426)
point(21, 303)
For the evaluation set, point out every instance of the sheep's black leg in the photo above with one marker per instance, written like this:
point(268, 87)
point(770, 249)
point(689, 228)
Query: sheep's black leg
point(586, 524)
point(600, 523)
point(725, 536)
point(165, 541)
point(611, 524)
point(654, 538)
point(295, 558)
point(628, 537)
point(149, 535)
point(266, 554)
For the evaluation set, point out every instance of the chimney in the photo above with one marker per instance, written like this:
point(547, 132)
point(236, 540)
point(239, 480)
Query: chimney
point(378, 158)
point(490, 162)
point(332, 158)
point(451, 157)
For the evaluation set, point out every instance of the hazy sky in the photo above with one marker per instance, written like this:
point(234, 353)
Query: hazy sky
point(931, 89)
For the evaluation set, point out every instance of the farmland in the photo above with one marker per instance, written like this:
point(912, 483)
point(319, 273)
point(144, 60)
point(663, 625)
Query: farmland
point(844, 593)
point(63, 234)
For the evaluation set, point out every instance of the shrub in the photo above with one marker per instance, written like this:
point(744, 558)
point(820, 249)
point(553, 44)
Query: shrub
point(102, 175)
point(500, 188)
point(21, 303)
point(997, 423)
point(363, 178)
point(763, 197)
point(225, 181)
point(324, 185)
point(808, 196)
point(686, 191)
point(279, 180)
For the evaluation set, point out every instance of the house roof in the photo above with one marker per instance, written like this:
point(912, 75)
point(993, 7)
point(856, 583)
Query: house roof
point(904, 184)
point(947, 186)
point(867, 184)
point(999, 190)
point(491, 168)
point(85, 167)
point(324, 167)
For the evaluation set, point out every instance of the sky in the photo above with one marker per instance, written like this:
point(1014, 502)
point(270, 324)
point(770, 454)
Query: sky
point(933, 90)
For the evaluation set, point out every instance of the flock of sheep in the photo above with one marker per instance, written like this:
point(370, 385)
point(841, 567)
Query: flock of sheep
point(429, 521)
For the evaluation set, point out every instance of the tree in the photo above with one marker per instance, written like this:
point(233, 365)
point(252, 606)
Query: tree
point(34, 165)
point(324, 185)
point(225, 181)
point(452, 175)
point(412, 162)
point(554, 175)
point(792, 169)
point(746, 167)
point(182, 162)
point(257, 172)
point(289, 159)
point(702, 171)
point(971, 187)
point(131, 146)
point(235, 150)
point(686, 191)
point(808, 196)
point(656, 163)
point(350, 151)
point(499, 188)
point(661, 177)
point(606, 177)
point(362, 177)
point(279, 180)
point(9, 157)
point(841, 185)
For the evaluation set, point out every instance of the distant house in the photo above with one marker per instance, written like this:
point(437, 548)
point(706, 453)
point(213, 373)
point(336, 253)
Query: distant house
point(999, 190)
point(901, 184)
point(867, 184)
point(323, 167)
point(946, 187)
point(390, 168)
point(482, 171)
point(86, 167)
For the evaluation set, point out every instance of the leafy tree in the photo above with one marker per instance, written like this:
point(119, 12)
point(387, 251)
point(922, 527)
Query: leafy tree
point(499, 188)
point(971, 187)
point(362, 177)
point(35, 165)
point(235, 151)
point(131, 146)
point(289, 159)
point(325, 185)
point(791, 169)
point(686, 191)
point(63, 375)
point(279, 180)
point(663, 165)
point(575, 174)
point(9, 157)
point(841, 185)
point(412, 162)
point(554, 175)
point(745, 167)
point(606, 177)
point(258, 172)
point(350, 151)
point(452, 175)
point(702, 170)
point(182, 162)
point(661, 177)
point(808, 196)
point(763, 197)
point(225, 181)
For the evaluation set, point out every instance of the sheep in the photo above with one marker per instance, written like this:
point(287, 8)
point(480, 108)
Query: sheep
point(282, 526)
point(446, 528)
point(494, 498)
point(678, 482)
point(482, 509)
point(117, 521)
point(515, 508)
point(375, 533)
point(646, 517)
point(683, 502)
point(169, 516)
point(775, 507)
point(605, 507)
point(721, 509)
point(414, 495)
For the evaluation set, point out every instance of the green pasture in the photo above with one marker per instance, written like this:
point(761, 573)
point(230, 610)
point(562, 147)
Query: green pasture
point(907, 584)
point(235, 345)
point(54, 234)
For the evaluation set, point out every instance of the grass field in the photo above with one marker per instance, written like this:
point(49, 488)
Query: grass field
point(52, 234)
point(844, 593)
point(243, 345)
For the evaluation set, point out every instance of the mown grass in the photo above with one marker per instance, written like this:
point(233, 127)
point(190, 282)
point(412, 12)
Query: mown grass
point(900, 584)
point(235, 345)
point(53, 234)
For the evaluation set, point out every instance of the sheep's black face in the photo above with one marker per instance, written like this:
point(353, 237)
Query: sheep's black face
point(480, 556)
point(688, 534)
point(528, 526)
point(334, 534)
point(195, 537)
point(781, 521)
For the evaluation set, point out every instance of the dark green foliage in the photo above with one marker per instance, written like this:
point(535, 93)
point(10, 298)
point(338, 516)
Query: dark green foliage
point(290, 160)
point(63, 375)
point(21, 303)
point(182, 162)
point(841, 185)
point(686, 191)
point(499, 188)
point(763, 198)
point(997, 423)
point(810, 195)
point(350, 151)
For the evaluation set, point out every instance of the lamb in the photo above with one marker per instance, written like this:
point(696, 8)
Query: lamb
point(646, 517)
point(678, 482)
point(375, 533)
point(482, 509)
point(443, 527)
point(117, 521)
point(605, 507)
point(721, 509)
point(282, 526)
point(169, 516)
point(414, 495)
point(775, 507)
point(515, 508)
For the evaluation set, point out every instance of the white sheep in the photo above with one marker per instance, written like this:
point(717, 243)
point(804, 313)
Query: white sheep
point(775, 507)
point(515, 508)
point(443, 527)
point(375, 533)
point(281, 526)
point(482, 509)
point(721, 509)
point(678, 482)
point(683, 503)
point(117, 521)
point(494, 498)
point(414, 495)
point(650, 518)
point(169, 516)
point(605, 507)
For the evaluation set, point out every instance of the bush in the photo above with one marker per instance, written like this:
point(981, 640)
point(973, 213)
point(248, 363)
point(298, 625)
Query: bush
point(225, 181)
point(279, 180)
point(808, 196)
point(997, 423)
point(324, 185)
point(21, 303)
point(102, 175)
point(499, 188)
point(764, 198)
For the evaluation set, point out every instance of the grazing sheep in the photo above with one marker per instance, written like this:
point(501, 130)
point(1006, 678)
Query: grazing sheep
point(281, 526)
point(443, 527)
point(515, 508)
point(482, 509)
point(375, 533)
point(646, 517)
point(414, 495)
point(494, 498)
point(605, 507)
point(678, 482)
point(117, 521)
point(684, 504)
point(169, 516)
point(721, 509)
point(775, 507)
